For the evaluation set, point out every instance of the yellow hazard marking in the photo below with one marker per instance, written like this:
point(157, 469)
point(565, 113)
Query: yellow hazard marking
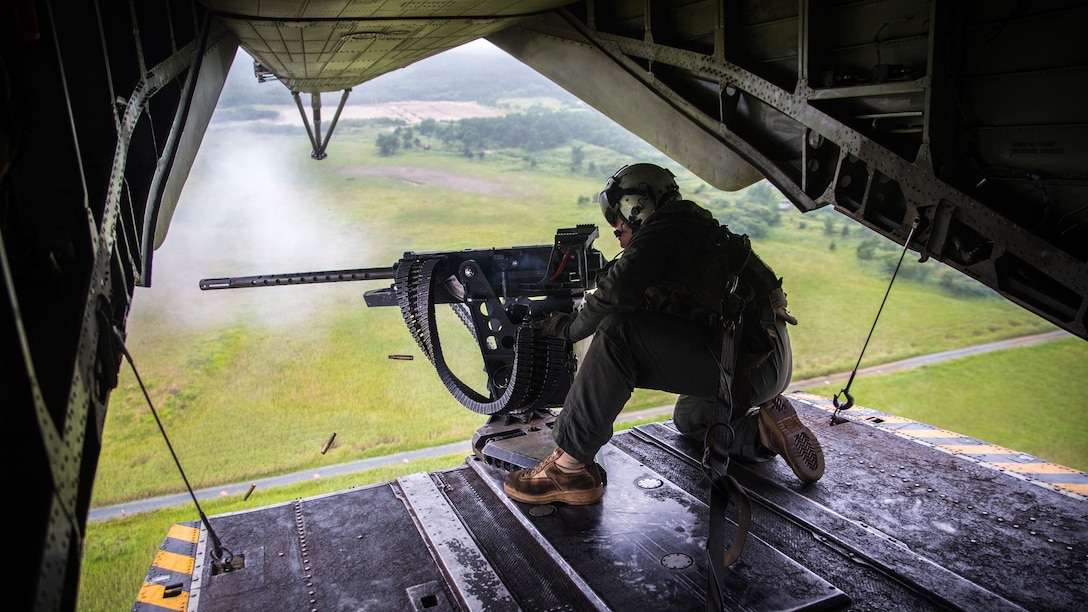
point(154, 594)
point(183, 564)
point(884, 419)
point(1034, 468)
point(184, 533)
point(928, 433)
point(888, 422)
point(977, 449)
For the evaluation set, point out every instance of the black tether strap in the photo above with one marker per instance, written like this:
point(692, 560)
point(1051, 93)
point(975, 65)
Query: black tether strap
point(723, 488)
point(835, 418)
point(539, 362)
point(731, 401)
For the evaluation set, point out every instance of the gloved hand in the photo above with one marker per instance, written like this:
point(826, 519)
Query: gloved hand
point(554, 324)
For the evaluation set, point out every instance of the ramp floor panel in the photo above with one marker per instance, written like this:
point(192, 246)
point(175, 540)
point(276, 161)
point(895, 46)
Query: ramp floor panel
point(923, 529)
point(942, 529)
point(644, 544)
point(354, 550)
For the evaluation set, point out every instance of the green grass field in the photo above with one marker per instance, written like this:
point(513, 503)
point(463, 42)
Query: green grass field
point(1028, 399)
point(252, 383)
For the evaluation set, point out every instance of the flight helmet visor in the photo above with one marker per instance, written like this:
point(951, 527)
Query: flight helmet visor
point(634, 192)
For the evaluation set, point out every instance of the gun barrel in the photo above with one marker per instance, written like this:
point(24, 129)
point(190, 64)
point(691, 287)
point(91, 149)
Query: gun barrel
point(297, 278)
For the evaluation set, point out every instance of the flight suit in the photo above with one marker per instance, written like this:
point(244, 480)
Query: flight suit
point(652, 318)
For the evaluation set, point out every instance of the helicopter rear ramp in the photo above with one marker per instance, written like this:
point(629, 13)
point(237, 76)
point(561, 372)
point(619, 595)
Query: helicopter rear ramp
point(931, 521)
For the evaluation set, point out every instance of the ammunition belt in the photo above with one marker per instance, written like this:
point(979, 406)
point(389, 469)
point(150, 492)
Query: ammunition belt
point(540, 369)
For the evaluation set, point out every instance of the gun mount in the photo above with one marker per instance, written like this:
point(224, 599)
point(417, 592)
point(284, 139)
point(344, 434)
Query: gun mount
point(495, 292)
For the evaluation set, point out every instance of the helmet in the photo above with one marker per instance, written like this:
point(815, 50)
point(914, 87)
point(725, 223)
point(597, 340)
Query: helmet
point(634, 192)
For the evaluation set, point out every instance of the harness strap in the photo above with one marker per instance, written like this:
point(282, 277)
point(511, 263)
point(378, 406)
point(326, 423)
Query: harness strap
point(731, 401)
point(724, 488)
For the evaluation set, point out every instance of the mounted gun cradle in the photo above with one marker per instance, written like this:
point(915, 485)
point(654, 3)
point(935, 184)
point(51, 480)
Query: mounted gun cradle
point(495, 292)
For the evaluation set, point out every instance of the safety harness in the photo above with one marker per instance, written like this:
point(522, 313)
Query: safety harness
point(751, 292)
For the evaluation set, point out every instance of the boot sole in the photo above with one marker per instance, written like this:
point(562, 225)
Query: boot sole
point(574, 498)
point(795, 442)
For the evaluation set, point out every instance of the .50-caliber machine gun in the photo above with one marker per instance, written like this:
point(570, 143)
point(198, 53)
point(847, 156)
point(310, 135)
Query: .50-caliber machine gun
point(495, 292)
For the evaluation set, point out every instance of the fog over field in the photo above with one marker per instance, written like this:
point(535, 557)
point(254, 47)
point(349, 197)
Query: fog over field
point(243, 213)
point(243, 202)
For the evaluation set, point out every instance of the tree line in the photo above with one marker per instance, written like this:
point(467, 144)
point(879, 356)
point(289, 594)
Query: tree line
point(532, 131)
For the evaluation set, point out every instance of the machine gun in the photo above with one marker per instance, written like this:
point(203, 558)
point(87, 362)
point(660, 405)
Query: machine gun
point(495, 292)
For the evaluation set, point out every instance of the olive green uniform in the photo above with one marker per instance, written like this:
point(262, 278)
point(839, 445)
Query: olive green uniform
point(651, 318)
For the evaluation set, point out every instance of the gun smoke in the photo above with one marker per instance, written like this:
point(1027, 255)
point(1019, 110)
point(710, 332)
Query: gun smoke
point(243, 212)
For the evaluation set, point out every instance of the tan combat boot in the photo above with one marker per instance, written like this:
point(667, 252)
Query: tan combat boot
point(781, 430)
point(547, 483)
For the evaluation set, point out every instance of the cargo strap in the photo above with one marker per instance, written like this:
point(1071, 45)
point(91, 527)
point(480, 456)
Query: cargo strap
point(540, 364)
point(732, 401)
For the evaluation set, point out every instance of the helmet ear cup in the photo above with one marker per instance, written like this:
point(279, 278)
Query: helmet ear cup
point(636, 208)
